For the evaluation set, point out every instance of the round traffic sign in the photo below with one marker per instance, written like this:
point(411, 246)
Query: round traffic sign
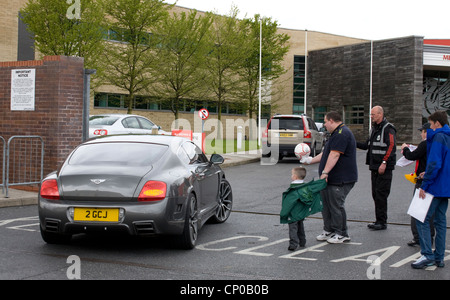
point(203, 113)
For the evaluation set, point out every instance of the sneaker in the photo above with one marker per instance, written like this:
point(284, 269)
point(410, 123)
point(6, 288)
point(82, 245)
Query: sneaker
point(422, 262)
point(338, 239)
point(324, 236)
point(439, 263)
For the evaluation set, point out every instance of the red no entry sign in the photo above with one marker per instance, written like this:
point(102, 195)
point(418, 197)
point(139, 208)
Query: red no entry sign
point(203, 113)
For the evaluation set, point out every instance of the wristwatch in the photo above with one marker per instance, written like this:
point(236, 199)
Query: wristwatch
point(384, 162)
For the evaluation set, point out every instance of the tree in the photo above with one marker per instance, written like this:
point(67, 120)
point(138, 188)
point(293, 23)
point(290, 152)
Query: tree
point(129, 59)
point(180, 71)
point(57, 33)
point(274, 48)
point(227, 41)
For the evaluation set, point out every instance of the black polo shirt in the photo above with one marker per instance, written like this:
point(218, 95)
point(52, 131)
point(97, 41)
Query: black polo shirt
point(343, 141)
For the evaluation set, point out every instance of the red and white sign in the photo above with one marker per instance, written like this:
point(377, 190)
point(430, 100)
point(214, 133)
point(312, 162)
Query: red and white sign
point(183, 133)
point(203, 113)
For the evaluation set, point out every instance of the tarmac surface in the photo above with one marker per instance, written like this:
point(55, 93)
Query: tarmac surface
point(18, 197)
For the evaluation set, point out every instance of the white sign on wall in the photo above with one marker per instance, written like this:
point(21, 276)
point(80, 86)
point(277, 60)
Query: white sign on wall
point(23, 89)
point(436, 59)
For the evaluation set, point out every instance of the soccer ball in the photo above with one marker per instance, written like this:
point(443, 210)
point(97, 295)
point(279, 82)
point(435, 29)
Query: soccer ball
point(302, 150)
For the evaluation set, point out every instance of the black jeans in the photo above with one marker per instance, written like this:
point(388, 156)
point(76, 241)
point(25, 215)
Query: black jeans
point(381, 188)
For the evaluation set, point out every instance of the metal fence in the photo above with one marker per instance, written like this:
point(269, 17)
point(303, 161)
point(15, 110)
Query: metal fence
point(23, 161)
point(2, 165)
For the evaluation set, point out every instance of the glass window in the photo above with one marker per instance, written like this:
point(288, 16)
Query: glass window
point(131, 122)
point(189, 106)
point(319, 113)
point(287, 123)
point(141, 102)
point(311, 124)
point(299, 84)
point(146, 124)
point(114, 100)
point(117, 154)
point(298, 109)
point(101, 100)
point(103, 120)
point(192, 154)
point(354, 114)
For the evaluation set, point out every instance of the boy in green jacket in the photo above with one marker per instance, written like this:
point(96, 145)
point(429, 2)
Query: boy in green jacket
point(299, 201)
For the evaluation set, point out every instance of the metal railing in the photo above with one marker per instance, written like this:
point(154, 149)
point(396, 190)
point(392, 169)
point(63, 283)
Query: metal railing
point(3, 162)
point(24, 157)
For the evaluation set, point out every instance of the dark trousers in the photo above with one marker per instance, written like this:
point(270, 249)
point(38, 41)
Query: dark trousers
point(297, 234)
point(333, 212)
point(381, 188)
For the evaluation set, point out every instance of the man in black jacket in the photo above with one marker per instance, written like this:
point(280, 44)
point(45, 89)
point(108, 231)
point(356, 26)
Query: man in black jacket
point(420, 156)
point(381, 158)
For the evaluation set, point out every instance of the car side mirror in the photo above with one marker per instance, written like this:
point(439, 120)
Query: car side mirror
point(217, 159)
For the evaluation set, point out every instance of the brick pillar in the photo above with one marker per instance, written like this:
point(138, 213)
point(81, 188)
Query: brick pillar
point(58, 106)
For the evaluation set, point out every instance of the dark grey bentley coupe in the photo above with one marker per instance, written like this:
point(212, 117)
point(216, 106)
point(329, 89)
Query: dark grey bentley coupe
point(138, 184)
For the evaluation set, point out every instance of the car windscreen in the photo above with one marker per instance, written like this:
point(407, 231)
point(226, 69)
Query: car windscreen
point(103, 120)
point(286, 123)
point(117, 154)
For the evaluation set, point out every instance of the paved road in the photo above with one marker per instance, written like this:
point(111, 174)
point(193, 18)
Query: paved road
point(251, 245)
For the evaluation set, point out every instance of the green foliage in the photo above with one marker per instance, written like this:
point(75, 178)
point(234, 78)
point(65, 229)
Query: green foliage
point(56, 34)
point(138, 46)
point(180, 71)
point(274, 47)
point(128, 63)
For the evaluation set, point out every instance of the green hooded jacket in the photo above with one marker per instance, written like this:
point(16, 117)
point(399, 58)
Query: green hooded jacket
point(301, 200)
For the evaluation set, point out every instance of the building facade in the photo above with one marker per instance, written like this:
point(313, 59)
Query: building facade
point(407, 76)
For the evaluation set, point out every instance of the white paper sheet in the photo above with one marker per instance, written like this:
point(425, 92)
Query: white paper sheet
point(403, 162)
point(418, 208)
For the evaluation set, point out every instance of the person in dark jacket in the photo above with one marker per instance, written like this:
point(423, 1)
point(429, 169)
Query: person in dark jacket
point(381, 158)
point(420, 156)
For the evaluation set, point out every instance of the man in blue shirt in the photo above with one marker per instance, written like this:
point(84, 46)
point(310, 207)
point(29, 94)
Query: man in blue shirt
point(337, 164)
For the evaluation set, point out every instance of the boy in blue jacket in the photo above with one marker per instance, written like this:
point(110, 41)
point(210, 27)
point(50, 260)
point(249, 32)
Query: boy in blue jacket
point(435, 182)
point(299, 201)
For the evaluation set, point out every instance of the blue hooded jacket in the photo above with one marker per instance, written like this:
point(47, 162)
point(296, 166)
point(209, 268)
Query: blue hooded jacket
point(437, 175)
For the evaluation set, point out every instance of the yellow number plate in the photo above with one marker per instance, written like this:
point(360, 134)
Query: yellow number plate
point(286, 134)
point(96, 214)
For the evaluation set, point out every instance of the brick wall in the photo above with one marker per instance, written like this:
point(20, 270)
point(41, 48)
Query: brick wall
point(341, 76)
point(58, 106)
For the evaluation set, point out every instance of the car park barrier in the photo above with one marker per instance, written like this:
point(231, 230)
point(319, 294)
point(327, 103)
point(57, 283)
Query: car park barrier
point(24, 161)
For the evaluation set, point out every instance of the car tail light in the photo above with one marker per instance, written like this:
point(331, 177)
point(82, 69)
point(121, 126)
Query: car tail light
point(265, 133)
point(100, 132)
point(307, 134)
point(49, 189)
point(153, 191)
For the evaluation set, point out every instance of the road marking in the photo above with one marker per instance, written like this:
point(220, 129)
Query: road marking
point(22, 227)
point(203, 246)
point(314, 248)
point(249, 250)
